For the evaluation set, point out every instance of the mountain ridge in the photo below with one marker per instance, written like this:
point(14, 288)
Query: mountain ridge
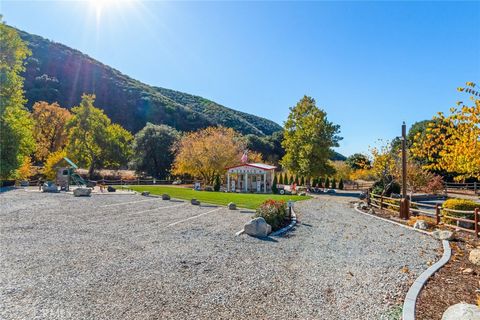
point(56, 72)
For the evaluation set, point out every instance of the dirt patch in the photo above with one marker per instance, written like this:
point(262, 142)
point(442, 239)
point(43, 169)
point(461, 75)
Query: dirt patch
point(450, 285)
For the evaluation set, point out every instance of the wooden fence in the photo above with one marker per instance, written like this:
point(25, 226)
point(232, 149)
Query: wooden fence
point(436, 211)
point(463, 188)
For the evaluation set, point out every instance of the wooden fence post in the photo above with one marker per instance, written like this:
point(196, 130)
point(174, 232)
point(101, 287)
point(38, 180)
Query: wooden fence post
point(368, 198)
point(437, 214)
point(476, 221)
point(381, 202)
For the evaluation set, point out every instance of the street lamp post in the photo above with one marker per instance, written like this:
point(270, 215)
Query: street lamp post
point(404, 204)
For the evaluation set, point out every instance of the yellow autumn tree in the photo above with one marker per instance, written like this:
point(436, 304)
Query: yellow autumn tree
point(452, 142)
point(25, 170)
point(49, 130)
point(207, 152)
point(52, 160)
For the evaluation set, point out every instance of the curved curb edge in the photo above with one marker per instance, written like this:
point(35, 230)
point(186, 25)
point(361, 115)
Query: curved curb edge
point(287, 228)
point(408, 312)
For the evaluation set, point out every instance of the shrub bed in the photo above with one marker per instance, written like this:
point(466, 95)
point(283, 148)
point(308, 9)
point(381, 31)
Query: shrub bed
point(274, 213)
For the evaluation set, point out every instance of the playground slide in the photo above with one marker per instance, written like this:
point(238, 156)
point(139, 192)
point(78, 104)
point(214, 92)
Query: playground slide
point(78, 180)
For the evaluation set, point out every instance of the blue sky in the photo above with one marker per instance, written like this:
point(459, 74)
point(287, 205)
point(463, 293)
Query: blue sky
point(370, 65)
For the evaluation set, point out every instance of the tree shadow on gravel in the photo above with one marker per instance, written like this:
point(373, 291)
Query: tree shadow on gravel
point(6, 189)
point(344, 194)
point(247, 211)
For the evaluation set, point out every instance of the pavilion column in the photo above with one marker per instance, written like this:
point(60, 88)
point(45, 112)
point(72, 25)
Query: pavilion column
point(265, 182)
point(228, 181)
point(246, 182)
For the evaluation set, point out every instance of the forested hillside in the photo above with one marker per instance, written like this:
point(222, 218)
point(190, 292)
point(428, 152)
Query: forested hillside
point(56, 72)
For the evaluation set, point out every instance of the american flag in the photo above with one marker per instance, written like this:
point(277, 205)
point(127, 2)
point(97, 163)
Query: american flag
point(244, 157)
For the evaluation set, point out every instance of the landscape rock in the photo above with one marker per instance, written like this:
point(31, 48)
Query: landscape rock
point(111, 189)
point(165, 196)
point(462, 311)
point(443, 234)
point(195, 202)
point(474, 257)
point(362, 206)
point(49, 187)
point(421, 225)
point(24, 183)
point(145, 193)
point(82, 192)
point(232, 206)
point(467, 271)
point(257, 227)
point(371, 211)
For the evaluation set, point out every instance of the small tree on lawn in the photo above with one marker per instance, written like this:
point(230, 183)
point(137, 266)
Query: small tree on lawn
point(291, 180)
point(340, 184)
point(216, 186)
point(302, 181)
point(274, 185)
point(327, 182)
point(296, 180)
point(314, 182)
point(285, 178)
point(334, 183)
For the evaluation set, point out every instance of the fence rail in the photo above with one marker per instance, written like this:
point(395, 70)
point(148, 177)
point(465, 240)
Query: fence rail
point(461, 188)
point(440, 213)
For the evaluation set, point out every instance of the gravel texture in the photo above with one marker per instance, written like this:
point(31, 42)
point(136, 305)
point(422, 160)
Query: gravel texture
point(104, 258)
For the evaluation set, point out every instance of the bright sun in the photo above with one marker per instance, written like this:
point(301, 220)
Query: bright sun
point(102, 6)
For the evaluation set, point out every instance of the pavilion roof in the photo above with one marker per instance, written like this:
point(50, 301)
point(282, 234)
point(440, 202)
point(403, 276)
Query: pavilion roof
point(263, 166)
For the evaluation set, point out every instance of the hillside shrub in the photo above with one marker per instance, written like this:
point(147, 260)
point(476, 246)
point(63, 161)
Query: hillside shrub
point(327, 183)
point(378, 187)
point(340, 184)
point(459, 204)
point(280, 179)
point(274, 213)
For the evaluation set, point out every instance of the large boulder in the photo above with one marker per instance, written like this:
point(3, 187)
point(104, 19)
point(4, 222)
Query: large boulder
point(232, 206)
point(462, 311)
point(421, 225)
point(443, 234)
point(145, 193)
point(474, 257)
point(165, 196)
point(195, 202)
point(257, 227)
point(82, 192)
point(49, 187)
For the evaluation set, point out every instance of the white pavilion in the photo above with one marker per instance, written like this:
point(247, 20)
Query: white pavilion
point(250, 177)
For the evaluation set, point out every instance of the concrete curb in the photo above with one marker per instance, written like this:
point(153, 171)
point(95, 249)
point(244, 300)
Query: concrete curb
point(408, 312)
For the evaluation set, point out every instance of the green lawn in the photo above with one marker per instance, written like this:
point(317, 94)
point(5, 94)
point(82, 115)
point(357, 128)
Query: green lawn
point(242, 200)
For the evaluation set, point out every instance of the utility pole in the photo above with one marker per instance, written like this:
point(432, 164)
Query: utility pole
point(404, 204)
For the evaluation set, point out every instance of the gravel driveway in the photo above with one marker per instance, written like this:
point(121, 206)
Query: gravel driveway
point(131, 257)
